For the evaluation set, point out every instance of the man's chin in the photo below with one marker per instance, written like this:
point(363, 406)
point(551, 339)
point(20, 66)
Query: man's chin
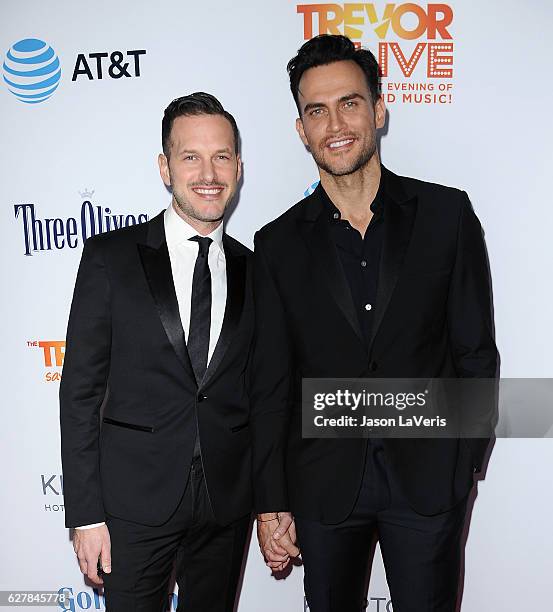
point(203, 211)
point(344, 168)
point(206, 218)
point(209, 216)
point(340, 170)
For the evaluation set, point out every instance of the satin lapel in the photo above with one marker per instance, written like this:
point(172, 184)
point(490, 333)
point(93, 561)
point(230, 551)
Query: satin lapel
point(327, 265)
point(157, 268)
point(398, 227)
point(236, 285)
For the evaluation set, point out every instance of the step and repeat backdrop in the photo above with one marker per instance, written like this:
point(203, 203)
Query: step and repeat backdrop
point(467, 86)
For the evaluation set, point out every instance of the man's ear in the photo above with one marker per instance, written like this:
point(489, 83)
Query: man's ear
point(379, 113)
point(300, 131)
point(163, 163)
point(239, 168)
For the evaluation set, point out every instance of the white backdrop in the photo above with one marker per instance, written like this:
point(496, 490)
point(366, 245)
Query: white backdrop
point(94, 143)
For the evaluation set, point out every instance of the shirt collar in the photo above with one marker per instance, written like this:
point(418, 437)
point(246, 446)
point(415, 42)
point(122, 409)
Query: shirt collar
point(334, 213)
point(178, 231)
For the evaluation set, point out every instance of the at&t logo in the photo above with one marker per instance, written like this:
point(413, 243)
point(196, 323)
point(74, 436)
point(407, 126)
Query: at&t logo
point(32, 70)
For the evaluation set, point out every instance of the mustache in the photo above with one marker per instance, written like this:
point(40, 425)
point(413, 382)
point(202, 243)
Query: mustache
point(207, 185)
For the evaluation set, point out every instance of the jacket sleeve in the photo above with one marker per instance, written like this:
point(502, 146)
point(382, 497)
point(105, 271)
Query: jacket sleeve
point(471, 331)
point(271, 365)
point(83, 387)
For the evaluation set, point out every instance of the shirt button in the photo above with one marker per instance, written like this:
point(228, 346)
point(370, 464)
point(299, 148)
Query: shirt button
point(363, 263)
point(368, 306)
point(336, 215)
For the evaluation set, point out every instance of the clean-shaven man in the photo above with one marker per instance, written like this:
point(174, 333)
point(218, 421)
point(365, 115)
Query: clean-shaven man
point(373, 275)
point(154, 395)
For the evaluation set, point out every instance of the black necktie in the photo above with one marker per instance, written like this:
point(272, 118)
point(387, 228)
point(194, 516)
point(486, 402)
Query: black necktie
point(200, 311)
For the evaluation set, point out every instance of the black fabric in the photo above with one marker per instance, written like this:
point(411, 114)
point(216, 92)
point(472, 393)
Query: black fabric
point(125, 328)
point(432, 318)
point(359, 257)
point(208, 558)
point(421, 554)
point(200, 309)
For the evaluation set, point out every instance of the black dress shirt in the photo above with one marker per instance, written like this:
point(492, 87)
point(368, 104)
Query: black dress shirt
point(359, 256)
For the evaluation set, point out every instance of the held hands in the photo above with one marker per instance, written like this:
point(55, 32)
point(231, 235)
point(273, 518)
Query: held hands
point(276, 533)
point(91, 545)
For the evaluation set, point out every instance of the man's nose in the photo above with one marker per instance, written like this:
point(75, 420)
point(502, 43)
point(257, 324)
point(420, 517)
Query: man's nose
point(335, 121)
point(208, 173)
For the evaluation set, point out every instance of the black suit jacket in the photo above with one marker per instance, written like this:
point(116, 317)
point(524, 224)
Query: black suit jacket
point(126, 350)
point(432, 318)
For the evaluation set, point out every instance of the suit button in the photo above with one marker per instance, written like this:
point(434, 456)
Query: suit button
point(373, 366)
point(201, 397)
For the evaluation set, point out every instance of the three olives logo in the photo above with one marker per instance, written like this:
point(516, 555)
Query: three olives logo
point(31, 70)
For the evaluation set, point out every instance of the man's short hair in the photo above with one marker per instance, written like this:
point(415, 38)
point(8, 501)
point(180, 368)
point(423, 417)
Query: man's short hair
point(327, 49)
point(197, 103)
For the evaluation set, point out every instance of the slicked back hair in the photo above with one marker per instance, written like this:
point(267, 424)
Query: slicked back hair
point(327, 49)
point(198, 103)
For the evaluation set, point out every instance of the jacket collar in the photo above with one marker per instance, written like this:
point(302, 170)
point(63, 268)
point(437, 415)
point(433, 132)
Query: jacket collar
point(156, 264)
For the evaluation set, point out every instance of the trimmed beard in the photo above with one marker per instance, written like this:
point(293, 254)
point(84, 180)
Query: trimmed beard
point(361, 161)
point(186, 208)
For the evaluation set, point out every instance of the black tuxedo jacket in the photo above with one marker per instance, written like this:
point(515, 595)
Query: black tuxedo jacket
point(432, 318)
point(126, 351)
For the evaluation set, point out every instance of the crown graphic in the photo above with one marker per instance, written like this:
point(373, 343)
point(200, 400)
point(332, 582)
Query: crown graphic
point(86, 194)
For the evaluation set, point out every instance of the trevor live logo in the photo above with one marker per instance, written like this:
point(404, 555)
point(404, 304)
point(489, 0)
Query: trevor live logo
point(53, 352)
point(414, 40)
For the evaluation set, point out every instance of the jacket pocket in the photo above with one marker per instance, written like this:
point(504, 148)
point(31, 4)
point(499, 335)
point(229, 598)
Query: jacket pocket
point(239, 427)
point(145, 428)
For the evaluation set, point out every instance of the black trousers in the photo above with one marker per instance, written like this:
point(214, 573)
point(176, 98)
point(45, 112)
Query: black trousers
point(207, 558)
point(421, 554)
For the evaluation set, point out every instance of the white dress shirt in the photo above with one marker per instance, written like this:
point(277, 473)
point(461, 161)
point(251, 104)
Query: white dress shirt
point(182, 254)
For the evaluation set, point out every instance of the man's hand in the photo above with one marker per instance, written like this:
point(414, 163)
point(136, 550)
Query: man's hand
point(89, 545)
point(276, 533)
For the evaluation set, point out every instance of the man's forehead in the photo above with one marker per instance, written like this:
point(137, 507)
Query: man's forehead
point(201, 122)
point(204, 128)
point(333, 80)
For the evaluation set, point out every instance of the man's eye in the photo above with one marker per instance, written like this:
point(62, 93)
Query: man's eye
point(316, 111)
point(190, 157)
point(223, 157)
point(350, 104)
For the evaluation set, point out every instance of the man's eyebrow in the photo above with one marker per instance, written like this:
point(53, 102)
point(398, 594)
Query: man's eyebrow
point(313, 105)
point(346, 98)
point(352, 96)
point(195, 152)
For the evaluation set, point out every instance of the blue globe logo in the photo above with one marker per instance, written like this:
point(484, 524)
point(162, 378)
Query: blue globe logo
point(32, 70)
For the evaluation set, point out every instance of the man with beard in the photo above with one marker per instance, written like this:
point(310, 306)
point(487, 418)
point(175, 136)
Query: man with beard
point(154, 395)
point(373, 275)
